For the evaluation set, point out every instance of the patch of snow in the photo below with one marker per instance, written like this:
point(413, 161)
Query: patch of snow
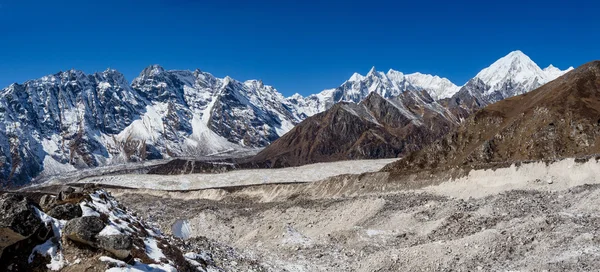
point(87, 211)
point(136, 267)
point(53, 167)
point(113, 261)
point(152, 250)
point(181, 229)
point(49, 248)
point(294, 237)
point(110, 230)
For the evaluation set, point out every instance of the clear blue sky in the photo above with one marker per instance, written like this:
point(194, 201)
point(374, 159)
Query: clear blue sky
point(296, 46)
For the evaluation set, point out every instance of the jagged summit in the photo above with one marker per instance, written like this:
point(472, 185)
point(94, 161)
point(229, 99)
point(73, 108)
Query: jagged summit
point(356, 77)
point(152, 70)
point(372, 72)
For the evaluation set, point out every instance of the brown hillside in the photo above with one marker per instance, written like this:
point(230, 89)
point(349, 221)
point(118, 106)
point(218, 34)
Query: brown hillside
point(374, 128)
point(559, 119)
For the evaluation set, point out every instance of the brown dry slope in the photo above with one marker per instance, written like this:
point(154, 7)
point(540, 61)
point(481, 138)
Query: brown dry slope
point(374, 128)
point(559, 119)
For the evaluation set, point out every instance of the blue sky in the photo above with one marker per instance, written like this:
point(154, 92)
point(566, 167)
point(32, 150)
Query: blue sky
point(296, 46)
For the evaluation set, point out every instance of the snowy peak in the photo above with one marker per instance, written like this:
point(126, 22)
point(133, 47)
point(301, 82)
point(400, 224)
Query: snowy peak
point(554, 72)
point(356, 77)
point(77, 120)
point(372, 72)
point(358, 87)
point(437, 87)
point(515, 66)
point(152, 70)
point(515, 74)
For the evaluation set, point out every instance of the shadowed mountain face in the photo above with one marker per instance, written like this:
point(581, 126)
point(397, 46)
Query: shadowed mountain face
point(374, 128)
point(559, 119)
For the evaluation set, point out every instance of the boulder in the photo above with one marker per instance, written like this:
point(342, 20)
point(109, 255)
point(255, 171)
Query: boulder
point(18, 219)
point(70, 195)
point(66, 211)
point(84, 229)
point(47, 202)
point(119, 245)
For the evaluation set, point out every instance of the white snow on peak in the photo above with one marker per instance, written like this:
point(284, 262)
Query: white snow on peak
point(358, 87)
point(516, 66)
point(371, 72)
point(356, 77)
point(156, 69)
point(517, 69)
point(437, 87)
point(554, 72)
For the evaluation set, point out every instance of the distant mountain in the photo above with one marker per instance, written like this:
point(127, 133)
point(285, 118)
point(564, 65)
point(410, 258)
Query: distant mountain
point(559, 119)
point(374, 128)
point(72, 120)
point(358, 87)
point(511, 75)
point(398, 114)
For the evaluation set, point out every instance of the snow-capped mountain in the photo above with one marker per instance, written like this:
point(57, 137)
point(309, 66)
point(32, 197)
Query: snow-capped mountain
point(515, 74)
point(358, 87)
point(376, 127)
point(248, 113)
point(71, 120)
point(437, 87)
point(511, 75)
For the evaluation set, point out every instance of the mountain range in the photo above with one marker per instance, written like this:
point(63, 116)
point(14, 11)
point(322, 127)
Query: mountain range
point(73, 120)
point(558, 120)
point(397, 117)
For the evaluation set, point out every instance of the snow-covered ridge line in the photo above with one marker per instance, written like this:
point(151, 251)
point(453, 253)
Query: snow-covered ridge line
point(516, 68)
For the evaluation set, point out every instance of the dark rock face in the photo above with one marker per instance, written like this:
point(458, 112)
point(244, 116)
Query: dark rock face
point(84, 229)
point(119, 245)
point(557, 120)
point(66, 211)
point(18, 219)
point(71, 195)
point(47, 202)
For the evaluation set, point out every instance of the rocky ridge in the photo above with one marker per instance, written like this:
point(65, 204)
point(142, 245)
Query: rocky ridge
point(557, 120)
point(94, 232)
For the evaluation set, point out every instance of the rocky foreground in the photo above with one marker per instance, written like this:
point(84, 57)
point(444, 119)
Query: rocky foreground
point(515, 230)
point(86, 229)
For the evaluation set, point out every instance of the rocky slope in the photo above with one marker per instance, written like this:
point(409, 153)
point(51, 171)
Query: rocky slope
point(72, 120)
point(536, 217)
point(87, 229)
point(374, 128)
point(559, 119)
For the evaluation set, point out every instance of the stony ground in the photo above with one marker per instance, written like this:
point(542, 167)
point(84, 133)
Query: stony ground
point(528, 230)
